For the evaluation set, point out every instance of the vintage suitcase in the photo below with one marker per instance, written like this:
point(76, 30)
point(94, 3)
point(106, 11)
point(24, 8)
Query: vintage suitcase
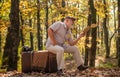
point(27, 61)
point(51, 63)
point(39, 60)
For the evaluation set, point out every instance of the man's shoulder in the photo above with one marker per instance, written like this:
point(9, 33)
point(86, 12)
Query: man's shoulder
point(59, 22)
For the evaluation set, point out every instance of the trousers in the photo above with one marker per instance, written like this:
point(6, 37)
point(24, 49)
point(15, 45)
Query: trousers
point(60, 50)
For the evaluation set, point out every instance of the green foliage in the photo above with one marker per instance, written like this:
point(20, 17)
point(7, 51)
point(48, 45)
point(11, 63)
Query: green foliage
point(19, 57)
point(108, 65)
point(2, 70)
point(68, 56)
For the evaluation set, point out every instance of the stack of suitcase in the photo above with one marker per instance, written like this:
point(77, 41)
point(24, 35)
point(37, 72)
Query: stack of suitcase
point(39, 61)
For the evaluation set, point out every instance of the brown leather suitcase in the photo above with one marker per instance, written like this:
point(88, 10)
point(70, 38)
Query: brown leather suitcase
point(39, 60)
point(51, 63)
point(27, 61)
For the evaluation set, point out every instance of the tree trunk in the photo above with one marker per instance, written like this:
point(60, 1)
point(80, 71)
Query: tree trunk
point(98, 32)
point(10, 55)
point(115, 28)
point(0, 49)
point(1, 53)
point(0, 35)
point(31, 35)
point(87, 49)
point(94, 34)
point(114, 8)
point(106, 35)
point(21, 30)
point(0, 43)
point(118, 33)
point(63, 13)
point(46, 21)
point(39, 31)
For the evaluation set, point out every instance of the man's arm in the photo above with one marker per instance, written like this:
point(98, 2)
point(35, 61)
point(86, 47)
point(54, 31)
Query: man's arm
point(81, 35)
point(50, 34)
point(76, 40)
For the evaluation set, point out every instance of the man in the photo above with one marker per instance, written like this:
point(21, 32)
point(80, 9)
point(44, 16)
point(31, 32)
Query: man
point(58, 34)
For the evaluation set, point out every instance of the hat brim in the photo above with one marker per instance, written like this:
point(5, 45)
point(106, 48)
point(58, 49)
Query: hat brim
point(69, 17)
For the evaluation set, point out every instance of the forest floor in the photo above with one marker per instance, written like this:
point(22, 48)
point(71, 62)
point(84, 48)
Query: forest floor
point(104, 68)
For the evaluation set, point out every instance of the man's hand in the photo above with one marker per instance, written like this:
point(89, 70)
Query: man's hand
point(82, 34)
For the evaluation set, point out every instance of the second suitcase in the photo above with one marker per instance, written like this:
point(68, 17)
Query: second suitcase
point(27, 61)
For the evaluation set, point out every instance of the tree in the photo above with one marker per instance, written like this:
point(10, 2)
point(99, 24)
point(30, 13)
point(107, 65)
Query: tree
point(115, 28)
point(87, 49)
point(12, 40)
point(0, 47)
point(21, 30)
point(105, 29)
point(46, 21)
point(118, 33)
point(93, 34)
point(63, 5)
point(39, 31)
point(0, 34)
point(31, 35)
point(0, 40)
